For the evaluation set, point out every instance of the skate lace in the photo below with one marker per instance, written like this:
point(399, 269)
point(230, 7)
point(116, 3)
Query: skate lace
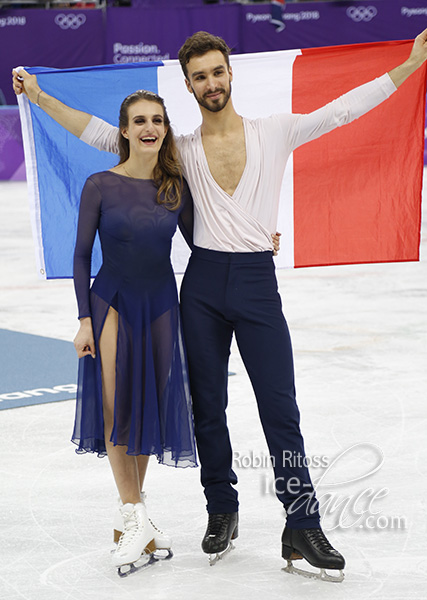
point(143, 499)
point(318, 539)
point(131, 529)
point(216, 524)
point(154, 527)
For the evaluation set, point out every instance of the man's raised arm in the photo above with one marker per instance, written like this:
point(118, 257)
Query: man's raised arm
point(417, 57)
point(75, 121)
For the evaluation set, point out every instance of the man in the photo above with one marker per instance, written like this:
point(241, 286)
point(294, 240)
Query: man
point(234, 167)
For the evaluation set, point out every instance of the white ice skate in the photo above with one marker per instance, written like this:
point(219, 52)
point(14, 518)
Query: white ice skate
point(136, 541)
point(162, 541)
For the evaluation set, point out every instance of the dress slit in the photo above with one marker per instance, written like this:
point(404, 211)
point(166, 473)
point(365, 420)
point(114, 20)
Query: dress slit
point(152, 413)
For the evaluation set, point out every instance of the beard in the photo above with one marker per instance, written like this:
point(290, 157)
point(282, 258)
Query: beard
point(214, 105)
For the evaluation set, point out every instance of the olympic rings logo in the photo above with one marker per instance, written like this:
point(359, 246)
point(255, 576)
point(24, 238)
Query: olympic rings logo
point(361, 13)
point(70, 21)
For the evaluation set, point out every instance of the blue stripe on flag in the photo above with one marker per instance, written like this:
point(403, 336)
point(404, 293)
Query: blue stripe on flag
point(64, 162)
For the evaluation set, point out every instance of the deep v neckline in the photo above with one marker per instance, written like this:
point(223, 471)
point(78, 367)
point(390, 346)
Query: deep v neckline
point(206, 164)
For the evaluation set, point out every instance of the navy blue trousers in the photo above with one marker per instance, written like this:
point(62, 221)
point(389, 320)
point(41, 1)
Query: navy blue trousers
point(224, 293)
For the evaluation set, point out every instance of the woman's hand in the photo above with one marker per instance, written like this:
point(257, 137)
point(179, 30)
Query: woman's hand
point(84, 342)
point(25, 83)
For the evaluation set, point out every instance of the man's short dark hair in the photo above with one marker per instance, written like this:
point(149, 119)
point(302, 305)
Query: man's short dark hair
point(200, 43)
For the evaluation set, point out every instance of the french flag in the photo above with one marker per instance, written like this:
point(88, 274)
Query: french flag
point(352, 196)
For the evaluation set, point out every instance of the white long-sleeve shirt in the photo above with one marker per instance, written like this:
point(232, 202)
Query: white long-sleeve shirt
point(244, 221)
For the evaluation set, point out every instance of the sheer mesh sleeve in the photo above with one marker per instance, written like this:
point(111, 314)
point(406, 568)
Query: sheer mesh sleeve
point(89, 213)
point(185, 219)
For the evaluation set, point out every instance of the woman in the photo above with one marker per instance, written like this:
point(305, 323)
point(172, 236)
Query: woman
point(133, 394)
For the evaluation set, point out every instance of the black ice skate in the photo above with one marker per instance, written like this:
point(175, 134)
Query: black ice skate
point(222, 528)
point(312, 545)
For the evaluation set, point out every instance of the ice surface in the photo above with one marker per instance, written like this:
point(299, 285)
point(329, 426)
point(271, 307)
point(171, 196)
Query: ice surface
point(360, 343)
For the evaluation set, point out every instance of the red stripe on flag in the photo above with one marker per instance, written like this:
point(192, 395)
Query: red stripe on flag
point(357, 190)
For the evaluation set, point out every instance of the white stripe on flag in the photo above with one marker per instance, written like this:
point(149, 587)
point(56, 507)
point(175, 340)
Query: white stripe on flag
point(262, 86)
point(32, 181)
point(185, 118)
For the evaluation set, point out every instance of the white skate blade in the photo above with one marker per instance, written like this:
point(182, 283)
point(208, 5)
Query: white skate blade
point(162, 554)
point(146, 560)
point(322, 575)
point(214, 558)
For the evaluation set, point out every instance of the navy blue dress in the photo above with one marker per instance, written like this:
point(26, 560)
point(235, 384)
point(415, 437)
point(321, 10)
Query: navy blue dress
point(152, 413)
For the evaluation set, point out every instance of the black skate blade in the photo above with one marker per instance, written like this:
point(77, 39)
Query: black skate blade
point(214, 558)
point(322, 575)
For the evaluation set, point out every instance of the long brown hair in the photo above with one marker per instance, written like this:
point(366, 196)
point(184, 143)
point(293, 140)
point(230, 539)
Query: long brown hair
point(167, 173)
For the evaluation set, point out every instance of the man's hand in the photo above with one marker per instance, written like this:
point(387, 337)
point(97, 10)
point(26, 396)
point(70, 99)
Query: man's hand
point(417, 57)
point(419, 49)
point(25, 83)
point(276, 242)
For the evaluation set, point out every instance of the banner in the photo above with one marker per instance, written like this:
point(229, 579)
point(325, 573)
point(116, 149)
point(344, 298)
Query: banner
point(55, 38)
point(167, 3)
point(155, 30)
point(11, 151)
point(309, 24)
point(352, 196)
point(138, 35)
